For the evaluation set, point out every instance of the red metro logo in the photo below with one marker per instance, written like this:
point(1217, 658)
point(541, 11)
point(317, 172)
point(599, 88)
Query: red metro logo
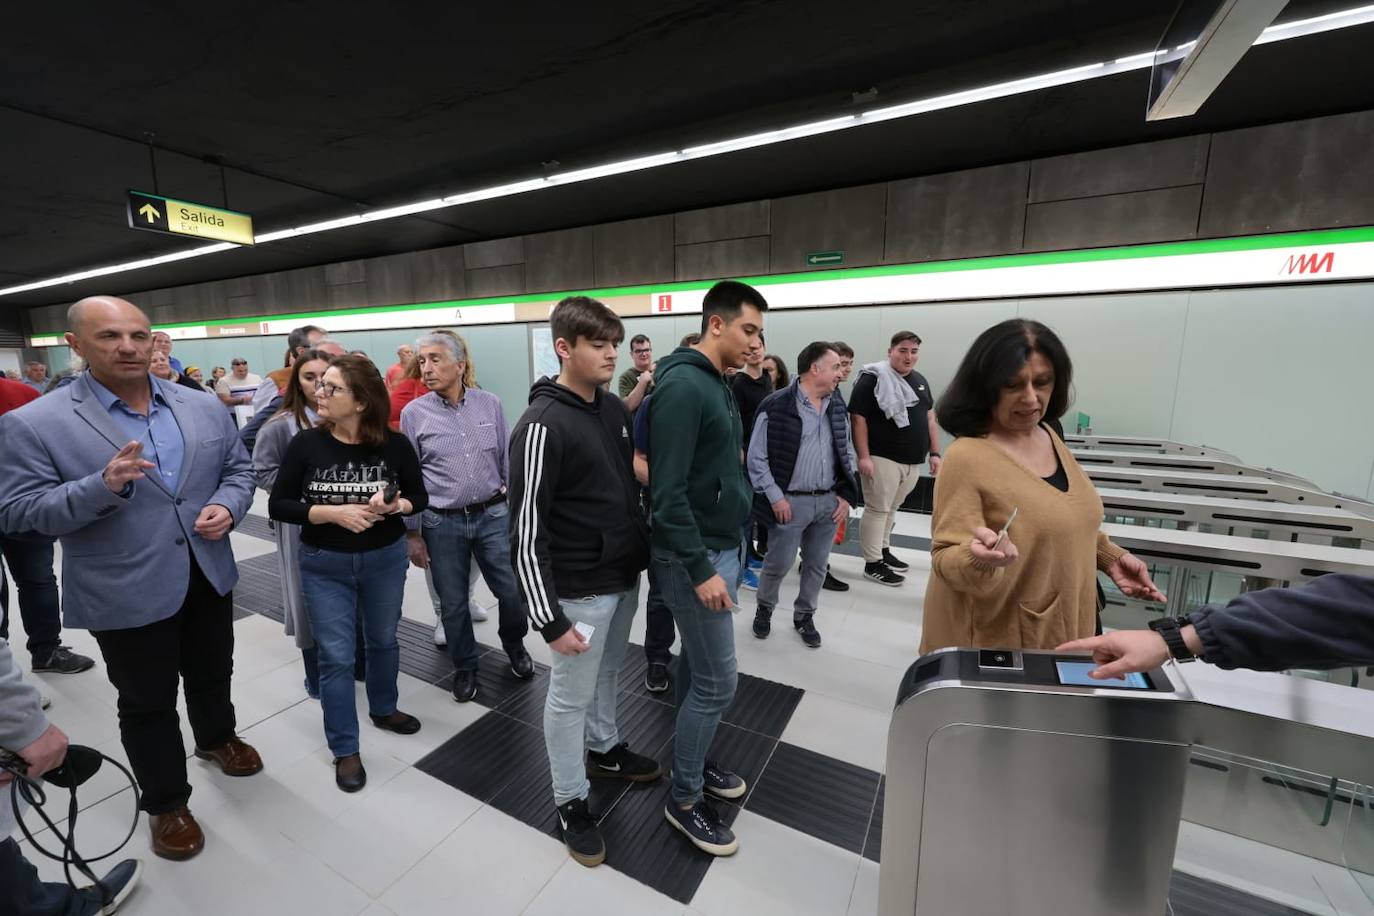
point(1321, 262)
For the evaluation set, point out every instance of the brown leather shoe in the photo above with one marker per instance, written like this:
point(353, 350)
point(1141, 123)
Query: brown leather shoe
point(234, 757)
point(176, 835)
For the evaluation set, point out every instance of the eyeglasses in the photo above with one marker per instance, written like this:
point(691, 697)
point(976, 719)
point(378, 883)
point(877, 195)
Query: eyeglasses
point(238, 362)
point(328, 390)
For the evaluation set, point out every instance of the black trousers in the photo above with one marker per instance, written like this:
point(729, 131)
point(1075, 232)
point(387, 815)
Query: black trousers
point(194, 648)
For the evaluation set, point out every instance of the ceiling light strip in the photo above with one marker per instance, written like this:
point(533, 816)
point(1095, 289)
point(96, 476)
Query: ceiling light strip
point(1342, 19)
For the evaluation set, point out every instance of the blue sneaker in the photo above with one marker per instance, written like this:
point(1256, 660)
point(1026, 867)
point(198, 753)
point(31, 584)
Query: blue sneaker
point(755, 563)
point(749, 580)
point(702, 826)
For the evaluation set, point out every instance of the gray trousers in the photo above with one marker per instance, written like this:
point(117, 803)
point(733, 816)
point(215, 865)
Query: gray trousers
point(812, 528)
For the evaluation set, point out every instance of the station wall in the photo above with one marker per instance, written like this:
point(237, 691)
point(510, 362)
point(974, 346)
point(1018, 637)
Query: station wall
point(1279, 376)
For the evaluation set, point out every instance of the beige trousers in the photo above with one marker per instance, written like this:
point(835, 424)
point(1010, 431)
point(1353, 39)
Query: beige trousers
point(887, 489)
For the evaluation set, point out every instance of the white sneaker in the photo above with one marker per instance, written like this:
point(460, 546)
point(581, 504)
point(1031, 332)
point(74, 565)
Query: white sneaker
point(440, 637)
point(477, 612)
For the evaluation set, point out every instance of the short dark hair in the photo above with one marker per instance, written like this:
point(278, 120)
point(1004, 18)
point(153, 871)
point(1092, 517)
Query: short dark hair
point(300, 337)
point(812, 352)
point(689, 340)
point(727, 299)
point(995, 357)
point(844, 349)
point(363, 379)
point(583, 316)
point(640, 339)
point(902, 336)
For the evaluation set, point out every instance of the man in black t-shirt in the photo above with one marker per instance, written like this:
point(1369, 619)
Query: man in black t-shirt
point(891, 407)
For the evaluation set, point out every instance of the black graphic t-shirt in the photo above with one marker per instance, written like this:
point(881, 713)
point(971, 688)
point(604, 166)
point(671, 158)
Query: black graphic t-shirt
point(319, 470)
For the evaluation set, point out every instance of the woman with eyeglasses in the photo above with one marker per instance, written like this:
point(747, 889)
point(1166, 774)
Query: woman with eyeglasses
point(347, 482)
point(297, 413)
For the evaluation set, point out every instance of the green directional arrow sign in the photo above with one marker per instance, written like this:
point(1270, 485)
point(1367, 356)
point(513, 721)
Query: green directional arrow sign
point(824, 258)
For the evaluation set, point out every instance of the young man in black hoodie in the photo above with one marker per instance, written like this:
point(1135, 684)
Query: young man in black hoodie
point(578, 544)
point(700, 502)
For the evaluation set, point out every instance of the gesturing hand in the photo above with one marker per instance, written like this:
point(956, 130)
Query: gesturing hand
point(127, 465)
point(1132, 576)
point(214, 522)
point(1122, 652)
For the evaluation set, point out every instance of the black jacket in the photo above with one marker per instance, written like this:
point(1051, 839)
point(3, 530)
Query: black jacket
point(577, 529)
point(1328, 623)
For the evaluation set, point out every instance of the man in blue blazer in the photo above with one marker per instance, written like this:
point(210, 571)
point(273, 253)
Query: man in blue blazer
point(142, 480)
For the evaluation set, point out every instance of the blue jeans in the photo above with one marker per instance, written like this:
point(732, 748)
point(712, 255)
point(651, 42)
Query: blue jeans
point(579, 711)
point(21, 891)
point(658, 625)
point(340, 589)
point(706, 675)
point(30, 558)
point(454, 540)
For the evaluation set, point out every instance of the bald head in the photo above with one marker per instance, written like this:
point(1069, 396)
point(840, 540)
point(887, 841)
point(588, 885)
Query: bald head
point(81, 313)
point(114, 338)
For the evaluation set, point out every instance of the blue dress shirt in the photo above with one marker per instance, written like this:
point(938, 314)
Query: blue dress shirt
point(158, 431)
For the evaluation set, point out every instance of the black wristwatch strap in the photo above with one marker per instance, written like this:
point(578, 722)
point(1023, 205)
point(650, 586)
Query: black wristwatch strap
point(1170, 628)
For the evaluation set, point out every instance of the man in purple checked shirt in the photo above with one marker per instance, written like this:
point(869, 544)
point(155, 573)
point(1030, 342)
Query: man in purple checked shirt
point(461, 437)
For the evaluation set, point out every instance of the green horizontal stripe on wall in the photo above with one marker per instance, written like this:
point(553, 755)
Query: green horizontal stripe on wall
point(1311, 238)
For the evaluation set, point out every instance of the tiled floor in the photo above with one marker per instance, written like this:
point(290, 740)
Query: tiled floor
point(456, 819)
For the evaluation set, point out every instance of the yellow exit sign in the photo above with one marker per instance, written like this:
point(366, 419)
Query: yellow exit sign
point(155, 213)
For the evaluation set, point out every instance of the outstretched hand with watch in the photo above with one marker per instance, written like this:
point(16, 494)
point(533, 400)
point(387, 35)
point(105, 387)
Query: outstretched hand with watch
point(1127, 651)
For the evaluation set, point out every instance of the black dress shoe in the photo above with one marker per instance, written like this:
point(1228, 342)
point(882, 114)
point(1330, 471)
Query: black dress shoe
point(349, 774)
point(399, 722)
point(521, 665)
point(464, 685)
point(831, 584)
point(763, 622)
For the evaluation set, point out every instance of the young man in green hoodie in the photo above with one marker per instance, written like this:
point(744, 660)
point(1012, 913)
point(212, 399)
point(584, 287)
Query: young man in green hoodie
point(701, 499)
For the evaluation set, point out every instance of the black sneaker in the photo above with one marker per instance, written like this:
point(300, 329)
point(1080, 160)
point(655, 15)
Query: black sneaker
point(831, 584)
point(720, 782)
point(763, 621)
point(807, 629)
point(622, 763)
point(879, 573)
point(894, 563)
point(464, 685)
point(521, 665)
point(580, 834)
point(113, 889)
point(656, 678)
point(63, 661)
point(702, 826)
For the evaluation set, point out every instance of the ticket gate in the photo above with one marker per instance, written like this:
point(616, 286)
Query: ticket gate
point(1017, 784)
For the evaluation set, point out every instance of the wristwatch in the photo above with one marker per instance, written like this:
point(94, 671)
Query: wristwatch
point(1170, 628)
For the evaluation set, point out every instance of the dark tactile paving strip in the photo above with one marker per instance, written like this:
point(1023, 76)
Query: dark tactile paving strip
point(642, 844)
point(818, 795)
point(528, 797)
point(487, 756)
point(762, 706)
point(420, 657)
point(873, 844)
point(1191, 896)
point(742, 752)
point(257, 526)
point(497, 685)
point(259, 587)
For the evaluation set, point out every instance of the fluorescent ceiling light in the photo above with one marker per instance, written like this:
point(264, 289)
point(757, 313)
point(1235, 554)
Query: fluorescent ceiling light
point(1342, 19)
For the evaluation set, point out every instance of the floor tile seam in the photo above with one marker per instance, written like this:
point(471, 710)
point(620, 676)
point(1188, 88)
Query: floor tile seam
point(416, 864)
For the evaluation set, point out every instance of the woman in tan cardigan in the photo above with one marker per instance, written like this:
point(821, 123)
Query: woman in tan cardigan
point(1038, 589)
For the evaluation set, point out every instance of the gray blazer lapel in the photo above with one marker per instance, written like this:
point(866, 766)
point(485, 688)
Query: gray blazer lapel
point(88, 407)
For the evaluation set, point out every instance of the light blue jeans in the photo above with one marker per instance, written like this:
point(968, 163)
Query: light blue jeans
point(706, 675)
point(579, 711)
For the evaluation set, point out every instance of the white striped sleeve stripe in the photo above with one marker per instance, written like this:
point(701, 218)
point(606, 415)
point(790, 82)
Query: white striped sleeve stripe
point(527, 528)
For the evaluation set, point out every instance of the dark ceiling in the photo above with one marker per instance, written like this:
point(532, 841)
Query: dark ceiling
point(317, 109)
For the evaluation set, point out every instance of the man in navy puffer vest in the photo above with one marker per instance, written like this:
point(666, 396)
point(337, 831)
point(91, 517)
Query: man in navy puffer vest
point(802, 471)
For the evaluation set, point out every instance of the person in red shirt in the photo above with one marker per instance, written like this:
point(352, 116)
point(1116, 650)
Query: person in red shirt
point(404, 354)
point(14, 394)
